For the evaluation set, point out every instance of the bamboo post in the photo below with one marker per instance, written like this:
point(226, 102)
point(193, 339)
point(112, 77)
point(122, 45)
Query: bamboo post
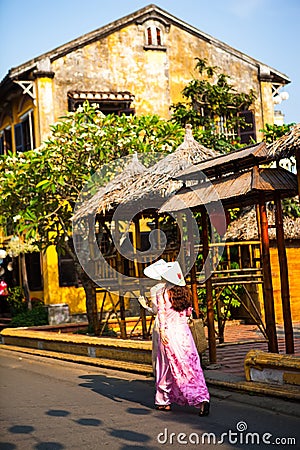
point(121, 296)
point(138, 269)
point(180, 240)
point(193, 272)
point(209, 294)
point(284, 278)
point(267, 284)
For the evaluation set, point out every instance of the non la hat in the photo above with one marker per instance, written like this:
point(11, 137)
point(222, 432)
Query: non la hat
point(172, 273)
point(154, 270)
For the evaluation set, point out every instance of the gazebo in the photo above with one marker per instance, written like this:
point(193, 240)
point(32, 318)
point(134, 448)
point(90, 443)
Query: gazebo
point(241, 178)
point(129, 196)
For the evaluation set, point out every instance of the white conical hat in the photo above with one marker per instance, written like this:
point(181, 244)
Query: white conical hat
point(154, 270)
point(173, 273)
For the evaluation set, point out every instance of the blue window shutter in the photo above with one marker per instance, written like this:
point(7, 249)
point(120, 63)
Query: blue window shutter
point(19, 137)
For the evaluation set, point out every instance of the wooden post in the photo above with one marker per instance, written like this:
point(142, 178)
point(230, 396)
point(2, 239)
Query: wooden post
point(121, 296)
point(209, 294)
point(180, 240)
point(138, 274)
point(284, 278)
point(193, 271)
point(267, 284)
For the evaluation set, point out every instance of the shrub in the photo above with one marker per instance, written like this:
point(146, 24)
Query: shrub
point(36, 316)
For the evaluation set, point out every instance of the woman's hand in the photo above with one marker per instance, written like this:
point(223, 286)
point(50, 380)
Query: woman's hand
point(163, 337)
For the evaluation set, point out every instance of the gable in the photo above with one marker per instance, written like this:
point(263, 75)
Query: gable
point(153, 15)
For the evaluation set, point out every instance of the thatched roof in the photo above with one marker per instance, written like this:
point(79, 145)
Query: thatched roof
point(109, 194)
point(136, 182)
point(285, 146)
point(245, 227)
point(245, 157)
point(161, 179)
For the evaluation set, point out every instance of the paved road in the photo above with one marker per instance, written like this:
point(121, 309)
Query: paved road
point(50, 404)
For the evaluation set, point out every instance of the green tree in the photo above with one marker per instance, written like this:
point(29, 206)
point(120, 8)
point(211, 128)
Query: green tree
point(212, 106)
point(40, 187)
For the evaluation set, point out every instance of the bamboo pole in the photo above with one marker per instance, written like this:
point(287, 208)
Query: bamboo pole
point(121, 296)
point(267, 284)
point(138, 275)
point(284, 278)
point(209, 294)
point(193, 271)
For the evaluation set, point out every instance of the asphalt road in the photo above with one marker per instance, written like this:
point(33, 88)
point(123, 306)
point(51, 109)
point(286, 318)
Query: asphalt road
point(51, 404)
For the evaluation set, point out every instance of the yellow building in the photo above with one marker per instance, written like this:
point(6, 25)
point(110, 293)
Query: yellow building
point(137, 64)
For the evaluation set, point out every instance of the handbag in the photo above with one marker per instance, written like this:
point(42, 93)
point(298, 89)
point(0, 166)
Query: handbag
point(198, 333)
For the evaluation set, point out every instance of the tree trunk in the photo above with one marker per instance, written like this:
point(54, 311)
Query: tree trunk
point(25, 280)
point(90, 293)
point(91, 305)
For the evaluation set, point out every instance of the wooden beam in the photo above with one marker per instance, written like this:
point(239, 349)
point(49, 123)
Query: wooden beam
point(138, 274)
point(284, 279)
point(193, 264)
point(267, 284)
point(209, 294)
point(120, 270)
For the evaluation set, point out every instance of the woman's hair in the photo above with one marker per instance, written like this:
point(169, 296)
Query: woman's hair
point(180, 297)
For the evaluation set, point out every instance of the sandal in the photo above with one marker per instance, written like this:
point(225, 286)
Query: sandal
point(204, 410)
point(163, 407)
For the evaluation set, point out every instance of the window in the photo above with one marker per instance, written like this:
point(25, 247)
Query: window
point(66, 269)
point(34, 273)
point(107, 102)
point(153, 37)
point(247, 133)
point(149, 36)
point(24, 133)
point(5, 141)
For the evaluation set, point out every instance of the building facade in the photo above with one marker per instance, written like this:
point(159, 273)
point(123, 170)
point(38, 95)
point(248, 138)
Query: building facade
point(139, 65)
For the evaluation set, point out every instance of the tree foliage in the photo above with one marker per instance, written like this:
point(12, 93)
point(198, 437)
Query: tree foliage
point(209, 99)
point(40, 187)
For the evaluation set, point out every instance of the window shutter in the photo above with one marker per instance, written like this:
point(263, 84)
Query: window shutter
point(34, 273)
point(19, 137)
point(1, 144)
point(66, 271)
point(247, 132)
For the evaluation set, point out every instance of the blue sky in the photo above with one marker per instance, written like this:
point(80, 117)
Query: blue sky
point(268, 30)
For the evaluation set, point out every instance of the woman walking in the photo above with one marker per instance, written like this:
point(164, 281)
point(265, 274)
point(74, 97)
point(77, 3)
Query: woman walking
point(179, 376)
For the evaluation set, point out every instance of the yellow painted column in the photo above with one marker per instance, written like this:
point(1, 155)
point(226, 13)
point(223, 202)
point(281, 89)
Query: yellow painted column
point(45, 105)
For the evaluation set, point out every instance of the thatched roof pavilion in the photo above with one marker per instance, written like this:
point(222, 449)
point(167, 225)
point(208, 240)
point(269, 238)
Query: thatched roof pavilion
point(160, 180)
point(245, 227)
point(235, 190)
point(286, 146)
point(239, 179)
point(137, 182)
point(246, 157)
point(109, 194)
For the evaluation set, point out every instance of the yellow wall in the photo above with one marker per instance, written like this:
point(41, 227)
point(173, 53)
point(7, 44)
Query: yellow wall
point(293, 256)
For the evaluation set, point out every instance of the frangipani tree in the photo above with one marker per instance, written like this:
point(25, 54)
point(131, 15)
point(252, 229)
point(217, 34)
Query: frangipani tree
point(40, 187)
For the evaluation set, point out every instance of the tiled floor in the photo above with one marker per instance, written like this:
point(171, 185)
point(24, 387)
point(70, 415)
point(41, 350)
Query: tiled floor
point(240, 339)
